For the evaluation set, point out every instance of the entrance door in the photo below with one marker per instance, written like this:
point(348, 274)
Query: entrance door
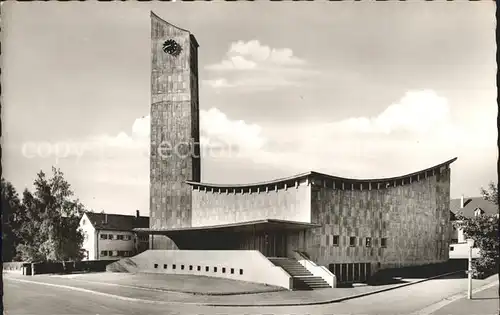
point(281, 245)
point(269, 245)
point(274, 244)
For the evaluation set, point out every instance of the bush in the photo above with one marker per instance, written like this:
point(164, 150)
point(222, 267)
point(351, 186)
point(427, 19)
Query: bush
point(485, 266)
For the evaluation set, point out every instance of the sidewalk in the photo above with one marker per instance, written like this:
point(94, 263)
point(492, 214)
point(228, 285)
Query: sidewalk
point(485, 302)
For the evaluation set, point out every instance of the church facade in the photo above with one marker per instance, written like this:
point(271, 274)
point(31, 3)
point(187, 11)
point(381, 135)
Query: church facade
point(332, 220)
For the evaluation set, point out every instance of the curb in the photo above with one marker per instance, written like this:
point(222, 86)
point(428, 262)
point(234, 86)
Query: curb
point(180, 291)
point(232, 305)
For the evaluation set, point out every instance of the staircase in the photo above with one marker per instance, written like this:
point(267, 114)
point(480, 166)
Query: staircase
point(302, 278)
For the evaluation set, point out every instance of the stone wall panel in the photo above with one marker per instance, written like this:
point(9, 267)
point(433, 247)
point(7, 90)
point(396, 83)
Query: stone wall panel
point(414, 218)
point(214, 207)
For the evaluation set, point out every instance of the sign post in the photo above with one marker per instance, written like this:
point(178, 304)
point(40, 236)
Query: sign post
point(470, 242)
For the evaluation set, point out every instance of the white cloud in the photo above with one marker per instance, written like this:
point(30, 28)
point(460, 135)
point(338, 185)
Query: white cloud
point(253, 83)
point(413, 133)
point(220, 137)
point(142, 126)
point(218, 83)
point(254, 55)
point(418, 112)
point(234, 63)
point(255, 67)
point(216, 126)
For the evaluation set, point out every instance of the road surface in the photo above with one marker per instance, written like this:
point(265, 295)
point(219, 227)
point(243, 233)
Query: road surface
point(24, 298)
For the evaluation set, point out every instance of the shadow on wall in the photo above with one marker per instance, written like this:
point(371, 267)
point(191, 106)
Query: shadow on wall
point(391, 276)
point(125, 265)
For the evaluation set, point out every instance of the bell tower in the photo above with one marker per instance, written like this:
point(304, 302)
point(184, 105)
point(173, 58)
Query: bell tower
point(175, 151)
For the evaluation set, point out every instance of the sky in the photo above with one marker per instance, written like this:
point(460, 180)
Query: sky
point(352, 89)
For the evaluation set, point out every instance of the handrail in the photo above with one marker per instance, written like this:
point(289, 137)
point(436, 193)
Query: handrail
point(316, 270)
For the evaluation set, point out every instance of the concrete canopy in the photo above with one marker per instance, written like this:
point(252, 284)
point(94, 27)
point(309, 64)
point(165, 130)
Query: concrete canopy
point(249, 226)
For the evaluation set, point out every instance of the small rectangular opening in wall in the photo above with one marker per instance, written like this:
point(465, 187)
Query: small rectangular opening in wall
point(215, 269)
point(368, 242)
point(165, 266)
point(335, 241)
point(383, 242)
point(452, 248)
point(207, 269)
point(241, 271)
point(352, 241)
point(198, 268)
point(156, 265)
point(232, 270)
point(174, 266)
point(182, 267)
point(190, 267)
point(223, 270)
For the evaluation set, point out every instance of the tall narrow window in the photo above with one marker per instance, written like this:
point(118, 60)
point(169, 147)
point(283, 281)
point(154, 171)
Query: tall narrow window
point(368, 242)
point(383, 242)
point(352, 241)
point(335, 241)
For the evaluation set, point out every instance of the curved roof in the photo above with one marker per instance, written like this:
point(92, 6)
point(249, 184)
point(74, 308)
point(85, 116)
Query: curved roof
point(321, 175)
point(153, 15)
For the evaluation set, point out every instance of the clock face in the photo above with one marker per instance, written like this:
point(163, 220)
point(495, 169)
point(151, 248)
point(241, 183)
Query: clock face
point(172, 48)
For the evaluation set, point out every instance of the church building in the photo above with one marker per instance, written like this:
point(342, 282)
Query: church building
point(330, 226)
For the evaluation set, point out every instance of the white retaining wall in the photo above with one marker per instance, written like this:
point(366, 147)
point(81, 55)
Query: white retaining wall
point(244, 265)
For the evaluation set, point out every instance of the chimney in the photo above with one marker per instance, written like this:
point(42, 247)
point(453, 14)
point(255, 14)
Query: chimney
point(137, 215)
point(105, 218)
point(462, 202)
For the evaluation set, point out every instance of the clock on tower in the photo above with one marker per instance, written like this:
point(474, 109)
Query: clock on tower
point(172, 48)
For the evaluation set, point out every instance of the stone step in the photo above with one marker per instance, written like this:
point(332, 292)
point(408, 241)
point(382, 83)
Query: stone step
point(309, 283)
point(299, 273)
point(310, 280)
point(303, 279)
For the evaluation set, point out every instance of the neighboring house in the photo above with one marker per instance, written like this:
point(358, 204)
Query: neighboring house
point(110, 236)
point(468, 207)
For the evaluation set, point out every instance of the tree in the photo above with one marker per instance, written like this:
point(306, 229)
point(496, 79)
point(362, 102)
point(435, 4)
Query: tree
point(491, 194)
point(51, 230)
point(483, 230)
point(11, 220)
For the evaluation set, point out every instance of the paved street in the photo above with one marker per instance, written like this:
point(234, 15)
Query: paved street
point(22, 298)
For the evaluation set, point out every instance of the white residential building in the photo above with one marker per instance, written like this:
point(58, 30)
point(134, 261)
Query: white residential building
point(110, 236)
point(468, 207)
